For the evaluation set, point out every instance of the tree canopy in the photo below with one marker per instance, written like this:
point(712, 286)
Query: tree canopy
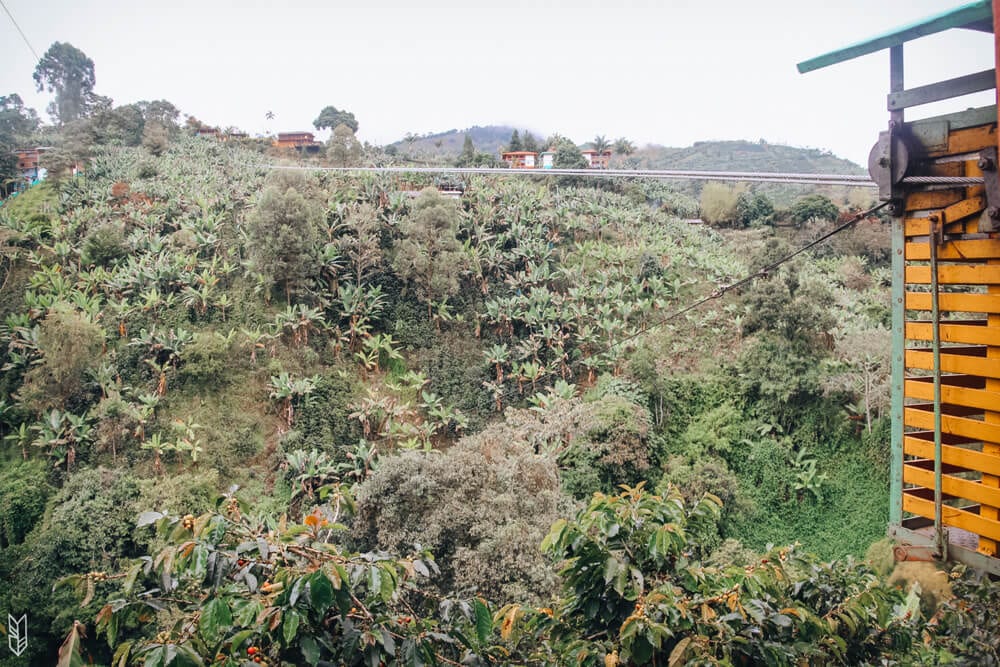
point(331, 117)
point(66, 71)
point(344, 150)
point(430, 256)
point(568, 156)
point(285, 226)
point(16, 123)
point(623, 146)
point(515, 142)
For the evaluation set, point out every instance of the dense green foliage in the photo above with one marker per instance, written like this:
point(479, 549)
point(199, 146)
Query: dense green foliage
point(330, 117)
point(398, 397)
point(17, 122)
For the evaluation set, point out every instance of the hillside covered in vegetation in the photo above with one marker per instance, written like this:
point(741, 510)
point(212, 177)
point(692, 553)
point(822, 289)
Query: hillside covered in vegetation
point(305, 417)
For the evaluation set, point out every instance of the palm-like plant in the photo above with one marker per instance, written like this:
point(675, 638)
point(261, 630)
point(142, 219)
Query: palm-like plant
point(187, 441)
point(377, 351)
point(256, 340)
point(61, 433)
point(623, 146)
point(499, 357)
point(289, 392)
point(21, 437)
point(310, 470)
point(156, 445)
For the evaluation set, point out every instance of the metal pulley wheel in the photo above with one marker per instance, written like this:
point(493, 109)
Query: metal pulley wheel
point(887, 163)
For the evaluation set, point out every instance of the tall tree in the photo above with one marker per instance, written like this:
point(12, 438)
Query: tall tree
point(515, 142)
point(17, 122)
point(468, 148)
point(66, 71)
point(429, 256)
point(529, 142)
point(331, 117)
point(601, 143)
point(344, 149)
point(568, 156)
point(121, 126)
point(286, 228)
point(161, 112)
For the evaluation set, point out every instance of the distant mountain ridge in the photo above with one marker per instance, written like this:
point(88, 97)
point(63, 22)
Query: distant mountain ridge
point(734, 155)
point(487, 139)
point(744, 156)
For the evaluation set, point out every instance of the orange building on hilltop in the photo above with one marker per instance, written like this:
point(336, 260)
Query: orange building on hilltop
point(597, 159)
point(520, 159)
point(297, 140)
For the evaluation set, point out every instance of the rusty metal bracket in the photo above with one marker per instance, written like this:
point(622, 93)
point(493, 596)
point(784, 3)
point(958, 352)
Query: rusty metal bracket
point(926, 553)
point(937, 230)
point(989, 221)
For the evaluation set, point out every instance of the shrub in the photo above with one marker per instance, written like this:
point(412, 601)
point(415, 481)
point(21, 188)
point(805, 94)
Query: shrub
point(88, 528)
point(429, 255)
point(813, 207)
point(719, 203)
point(753, 208)
point(70, 344)
point(324, 422)
point(715, 432)
point(632, 594)
point(147, 169)
point(966, 627)
point(24, 490)
point(206, 362)
point(481, 507)
point(285, 234)
point(455, 373)
point(104, 245)
point(703, 476)
point(155, 138)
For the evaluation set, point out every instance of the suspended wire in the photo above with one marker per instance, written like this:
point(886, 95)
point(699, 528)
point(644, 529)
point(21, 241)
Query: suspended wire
point(760, 273)
point(21, 32)
point(693, 175)
point(751, 277)
point(853, 180)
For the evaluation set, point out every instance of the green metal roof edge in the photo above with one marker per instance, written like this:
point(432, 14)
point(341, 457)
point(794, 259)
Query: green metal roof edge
point(954, 18)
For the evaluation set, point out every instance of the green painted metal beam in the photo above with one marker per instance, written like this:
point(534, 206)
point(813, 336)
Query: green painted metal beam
point(971, 15)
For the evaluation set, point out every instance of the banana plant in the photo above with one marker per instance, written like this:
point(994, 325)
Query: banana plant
point(255, 340)
point(309, 470)
point(60, 433)
point(160, 369)
point(155, 444)
point(808, 479)
point(289, 392)
point(187, 441)
point(21, 437)
point(499, 357)
point(377, 351)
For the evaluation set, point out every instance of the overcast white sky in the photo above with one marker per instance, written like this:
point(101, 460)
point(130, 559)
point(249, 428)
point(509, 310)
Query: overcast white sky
point(670, 71)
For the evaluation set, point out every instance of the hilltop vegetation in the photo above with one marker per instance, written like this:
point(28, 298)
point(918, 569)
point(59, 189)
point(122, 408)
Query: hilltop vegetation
point(487, 139)
point(744, 156)
point(702, 155)
point(488, 142)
